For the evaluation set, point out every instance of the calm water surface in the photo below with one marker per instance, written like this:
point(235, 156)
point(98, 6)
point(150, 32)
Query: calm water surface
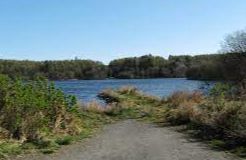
point(87, 90)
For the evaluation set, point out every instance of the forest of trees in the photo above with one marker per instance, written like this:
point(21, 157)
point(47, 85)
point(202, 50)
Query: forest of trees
point(149, 66)
point(146, 66)
point(205, 67)
point(228, 65)
point(54, 70)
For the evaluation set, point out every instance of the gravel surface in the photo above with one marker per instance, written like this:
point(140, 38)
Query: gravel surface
point(132, 140)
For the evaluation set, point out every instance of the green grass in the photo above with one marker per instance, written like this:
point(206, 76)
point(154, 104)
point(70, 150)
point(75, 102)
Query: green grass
point(217, 144)
point(132, 104)
point(9, 148)
point(64, 140)
point(92, 122)
point(240, 151)
point(48, 151)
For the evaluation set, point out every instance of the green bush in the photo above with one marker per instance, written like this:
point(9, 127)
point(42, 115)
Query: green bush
point(64, 140)
point(217, 144)
point(240, 151)
point(28, 108)
point(223, 90)
point(9, 148)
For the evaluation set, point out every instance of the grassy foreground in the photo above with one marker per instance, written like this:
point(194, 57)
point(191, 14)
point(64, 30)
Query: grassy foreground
point(218, 119)
point(37, 117)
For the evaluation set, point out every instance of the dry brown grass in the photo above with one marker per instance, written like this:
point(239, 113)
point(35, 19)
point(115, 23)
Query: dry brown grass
point(109, 96)
point(180, 97)
point(95, 107)
point(226, 117)
point(230, 117)
point(183, 106)
point(183, 113)
point(127, 90)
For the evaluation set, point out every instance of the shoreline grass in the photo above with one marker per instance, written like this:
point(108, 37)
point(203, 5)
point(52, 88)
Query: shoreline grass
point(92, 123)
point(201, 115)
point(218, 120)
point(37, 117)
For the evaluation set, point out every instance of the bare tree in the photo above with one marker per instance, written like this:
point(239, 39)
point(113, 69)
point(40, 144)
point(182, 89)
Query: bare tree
point(235, 42)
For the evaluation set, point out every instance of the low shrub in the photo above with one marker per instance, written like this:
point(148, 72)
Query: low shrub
point(221, 90)
point(7, 148)
point(32, 110)
point(36, 115)
point(229, 118)
point(240, 151)
point(216, 116)
point(183, 107)
point(64, 140)
point(182, 114)
point(217, 144)
point(179, 97)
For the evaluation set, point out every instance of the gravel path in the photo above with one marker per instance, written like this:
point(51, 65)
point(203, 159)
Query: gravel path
point(131, 140)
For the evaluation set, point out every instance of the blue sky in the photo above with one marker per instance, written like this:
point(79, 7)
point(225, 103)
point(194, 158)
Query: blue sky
point(108, 29)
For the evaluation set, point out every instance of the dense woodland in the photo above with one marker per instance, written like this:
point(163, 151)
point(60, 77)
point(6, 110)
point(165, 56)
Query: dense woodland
point(230, 64)
point(54, 70)
point(207, 67)
point(149, 66)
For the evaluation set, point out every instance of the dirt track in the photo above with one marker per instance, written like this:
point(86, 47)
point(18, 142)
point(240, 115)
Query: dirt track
point(131, 140)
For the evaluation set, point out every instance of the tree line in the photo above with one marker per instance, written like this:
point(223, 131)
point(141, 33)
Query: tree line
point(54, 70)
point(204, 67)
point(228, 65)
point(146, 66)
point(149, 66)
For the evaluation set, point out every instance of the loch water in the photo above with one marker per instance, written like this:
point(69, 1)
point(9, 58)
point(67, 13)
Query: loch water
point(87, 90)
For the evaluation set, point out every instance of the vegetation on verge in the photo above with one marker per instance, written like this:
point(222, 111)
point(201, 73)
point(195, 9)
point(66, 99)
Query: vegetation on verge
point(34, 115)
point(218, 118)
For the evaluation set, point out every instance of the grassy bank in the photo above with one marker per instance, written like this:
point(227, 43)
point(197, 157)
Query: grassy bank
point(37, 117)
point(218, 119)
